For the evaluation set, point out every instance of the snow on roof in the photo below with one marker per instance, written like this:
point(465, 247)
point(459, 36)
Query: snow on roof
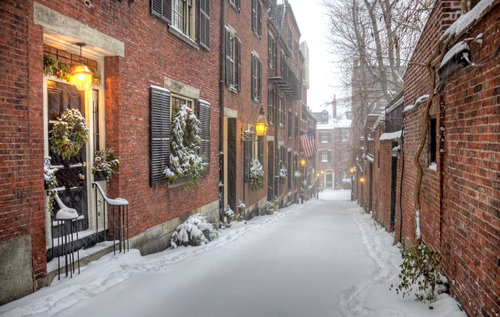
point(468, 18)
point(419, 100)
point(457, 48)
point(390, 136)
point(340, 122)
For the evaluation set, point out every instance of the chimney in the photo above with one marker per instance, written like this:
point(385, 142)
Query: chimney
point(334, 107)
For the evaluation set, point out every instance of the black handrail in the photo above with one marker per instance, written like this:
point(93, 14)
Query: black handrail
point(119, 204)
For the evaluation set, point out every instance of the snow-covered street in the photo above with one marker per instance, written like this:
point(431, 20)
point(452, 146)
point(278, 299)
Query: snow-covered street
point(322, 258)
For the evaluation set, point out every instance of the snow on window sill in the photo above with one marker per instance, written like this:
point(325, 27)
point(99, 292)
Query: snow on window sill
point(433, 166)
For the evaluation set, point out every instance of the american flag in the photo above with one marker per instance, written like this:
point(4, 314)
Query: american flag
point(308, 143)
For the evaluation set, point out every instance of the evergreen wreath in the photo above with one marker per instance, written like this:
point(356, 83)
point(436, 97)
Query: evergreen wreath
point(68, 134)
point(185, 160)
point(256, 175)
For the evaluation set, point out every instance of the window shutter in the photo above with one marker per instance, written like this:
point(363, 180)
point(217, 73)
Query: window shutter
point(160, 133)
point(269, 51)
point(246, 160)
point(204, 116)
point(229, 70)
point(259, 18)
point(238, 61)
point(253, 77)
point(290, 123)
point(238, 5)
point(205, 23)
point(259, 80)
point(254, 15)
point(296, 127)
point(162, 9)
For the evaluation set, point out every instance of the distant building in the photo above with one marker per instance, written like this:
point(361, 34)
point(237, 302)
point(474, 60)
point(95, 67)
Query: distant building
point(334, 145)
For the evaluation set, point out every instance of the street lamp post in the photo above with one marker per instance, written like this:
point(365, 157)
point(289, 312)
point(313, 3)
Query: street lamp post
point(303, 164)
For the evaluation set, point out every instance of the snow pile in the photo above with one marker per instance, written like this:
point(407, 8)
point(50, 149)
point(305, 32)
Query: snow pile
point(195, 231)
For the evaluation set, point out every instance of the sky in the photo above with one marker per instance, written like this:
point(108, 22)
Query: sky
point(313, 25)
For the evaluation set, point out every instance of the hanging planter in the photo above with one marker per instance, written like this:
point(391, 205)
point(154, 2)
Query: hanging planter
point(68, 134)
point(105, 164)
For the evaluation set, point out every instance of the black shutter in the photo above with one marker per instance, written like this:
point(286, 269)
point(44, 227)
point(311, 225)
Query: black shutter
point(296, 127)
point(254, 15)
point(204, 116)
point(160, 133)
point(259, 80)
point(261, 150)
point(259, 18)
point(205, 23)
point(238, 5)
point(253, 77)
point(246, 160)
point(238, 61)
point(269, 51)
point(229, 70)
point(162, 9)
point(290, 123)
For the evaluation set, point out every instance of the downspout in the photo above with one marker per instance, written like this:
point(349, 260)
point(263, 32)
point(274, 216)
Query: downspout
point(222, 79)
point(401, 180)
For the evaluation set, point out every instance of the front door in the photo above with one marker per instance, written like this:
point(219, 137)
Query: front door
point(329, 180)
point(71, 172)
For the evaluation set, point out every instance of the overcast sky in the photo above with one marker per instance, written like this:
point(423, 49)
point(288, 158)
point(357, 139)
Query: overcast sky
point(312, 22)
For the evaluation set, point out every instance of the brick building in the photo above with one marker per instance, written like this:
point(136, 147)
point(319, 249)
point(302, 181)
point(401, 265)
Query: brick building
point(455, 211)
point(147, 57)
point(334, 146)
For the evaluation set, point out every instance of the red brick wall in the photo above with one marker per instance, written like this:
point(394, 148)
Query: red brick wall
point(471, 240)
point(21, 144)
point(459, 201)
point(151, 53)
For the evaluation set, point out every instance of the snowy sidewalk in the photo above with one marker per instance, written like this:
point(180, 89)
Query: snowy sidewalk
point(323, 258)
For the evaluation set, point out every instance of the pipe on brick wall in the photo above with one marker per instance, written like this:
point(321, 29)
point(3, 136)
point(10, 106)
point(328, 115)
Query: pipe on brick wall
point(221, 108)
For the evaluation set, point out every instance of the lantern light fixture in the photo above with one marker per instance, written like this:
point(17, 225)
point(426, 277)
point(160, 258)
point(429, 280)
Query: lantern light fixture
point(362, 179)
point(302, 162)
point(81, 76)
point(322, 172)
point(352, 170)
point(261, 123)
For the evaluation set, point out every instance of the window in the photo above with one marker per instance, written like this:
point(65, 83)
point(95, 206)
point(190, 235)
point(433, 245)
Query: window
point(162, 105)
point(432, 140)
point(281, 111)
point(180, 14)
point(272, 51)
point(325, 137)
point(271, 99)
point(324, 156)
point(304, 112)
point(289, 172)
point(236, 4)
point(233, 60)
point(257, 18)
point(256, 78)
point(290, 124)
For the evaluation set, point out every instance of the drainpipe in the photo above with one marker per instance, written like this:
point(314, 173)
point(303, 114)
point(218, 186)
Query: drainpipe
point(401, 180)
point(222, 79)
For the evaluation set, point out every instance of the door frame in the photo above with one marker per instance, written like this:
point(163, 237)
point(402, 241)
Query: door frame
point(89, 117)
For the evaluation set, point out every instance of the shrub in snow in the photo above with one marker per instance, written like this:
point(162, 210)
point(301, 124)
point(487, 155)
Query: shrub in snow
point(419, 272)
point(256, 175)
point(194, 231)
point(228, 214)
point(185, 159)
